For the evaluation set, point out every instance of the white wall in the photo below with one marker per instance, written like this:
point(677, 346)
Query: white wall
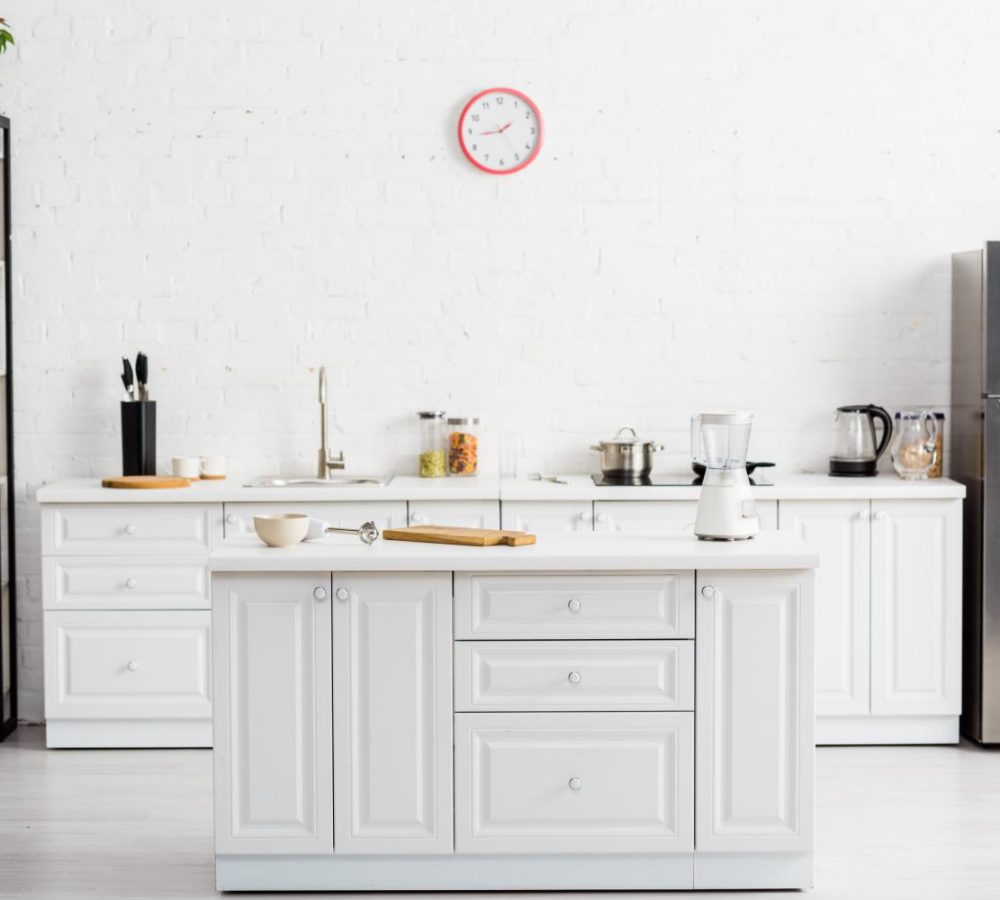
point(739, 203)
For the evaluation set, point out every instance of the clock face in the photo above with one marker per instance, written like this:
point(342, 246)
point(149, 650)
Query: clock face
point(500, 131)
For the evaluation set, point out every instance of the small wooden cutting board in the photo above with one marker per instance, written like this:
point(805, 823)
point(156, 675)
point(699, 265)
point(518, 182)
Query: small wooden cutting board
point(469, 537)
point(144, 482)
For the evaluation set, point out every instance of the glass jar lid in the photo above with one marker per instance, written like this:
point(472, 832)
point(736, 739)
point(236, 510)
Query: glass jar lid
point(463, 420)
point(430, 414)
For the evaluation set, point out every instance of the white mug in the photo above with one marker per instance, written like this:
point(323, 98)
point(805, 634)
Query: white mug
point(213, 467)
point(186, 467)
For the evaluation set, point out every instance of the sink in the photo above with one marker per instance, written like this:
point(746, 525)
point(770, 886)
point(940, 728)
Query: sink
point(332, 481)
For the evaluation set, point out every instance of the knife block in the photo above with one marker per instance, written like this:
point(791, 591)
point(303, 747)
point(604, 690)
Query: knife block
point(138, 437)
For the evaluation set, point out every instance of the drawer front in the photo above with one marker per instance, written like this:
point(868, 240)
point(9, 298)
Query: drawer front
point(147, 583)
point(135, 665)
point(130, 529)
point(515, 676)
point(574, 782)
point(457, 513)
point(238, 517)
point(506, 607)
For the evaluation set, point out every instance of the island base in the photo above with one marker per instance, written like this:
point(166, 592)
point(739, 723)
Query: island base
point(542, 872)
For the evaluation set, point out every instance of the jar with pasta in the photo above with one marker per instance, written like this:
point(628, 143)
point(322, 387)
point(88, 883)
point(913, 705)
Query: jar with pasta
point(433, 461)
point(463, 446)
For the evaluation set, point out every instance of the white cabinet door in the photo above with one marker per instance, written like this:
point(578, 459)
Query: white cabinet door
point(841, 531)
point(273, 765)
point(664, 516)
point(392, 712)
point(916, 607)
point(457, 513)
point(342, 514)
point(754, 712)
point(547, 517)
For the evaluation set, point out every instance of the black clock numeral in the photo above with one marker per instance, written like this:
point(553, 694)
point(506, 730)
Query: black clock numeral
point(468, 131)
point(527, 146)
point(475, 146)
point(501, 162)
point(517, 157)
point(486, 156)
point(527, 114)
point(532, 130)
point(499, 101)
point(516, 104)
point(475, 117)
point(486, 104)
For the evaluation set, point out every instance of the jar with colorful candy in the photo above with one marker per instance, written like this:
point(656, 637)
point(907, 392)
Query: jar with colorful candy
point(463, 446)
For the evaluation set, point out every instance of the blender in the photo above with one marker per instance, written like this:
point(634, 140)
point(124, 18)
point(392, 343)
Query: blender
point(726, 508)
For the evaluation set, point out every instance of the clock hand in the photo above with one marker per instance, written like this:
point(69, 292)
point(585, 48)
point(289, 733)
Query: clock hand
point(502, 130)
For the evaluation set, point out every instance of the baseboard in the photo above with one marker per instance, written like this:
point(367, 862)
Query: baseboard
point(886, 730)
point(117, 733)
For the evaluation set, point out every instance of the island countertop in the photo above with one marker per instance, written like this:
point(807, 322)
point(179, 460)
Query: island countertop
point(571, 552)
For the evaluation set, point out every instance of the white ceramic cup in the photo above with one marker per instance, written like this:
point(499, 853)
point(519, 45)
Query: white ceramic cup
point(213, 467)
point(186, 466)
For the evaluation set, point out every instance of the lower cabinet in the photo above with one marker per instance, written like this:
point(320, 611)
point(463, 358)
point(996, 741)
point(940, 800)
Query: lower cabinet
point(392, 733)
point(273, 754)
point(754, 713)
point(574, 782)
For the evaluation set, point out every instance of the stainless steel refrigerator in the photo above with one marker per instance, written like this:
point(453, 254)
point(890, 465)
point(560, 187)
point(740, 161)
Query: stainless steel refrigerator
point(975, 461)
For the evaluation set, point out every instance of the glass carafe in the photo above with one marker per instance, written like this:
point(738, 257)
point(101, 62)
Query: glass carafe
point(915, 443)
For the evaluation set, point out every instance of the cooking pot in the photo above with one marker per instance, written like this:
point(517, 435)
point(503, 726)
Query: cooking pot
point(624, 459)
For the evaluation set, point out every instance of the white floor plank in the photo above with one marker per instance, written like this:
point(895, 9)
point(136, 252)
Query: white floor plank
point(913, 822)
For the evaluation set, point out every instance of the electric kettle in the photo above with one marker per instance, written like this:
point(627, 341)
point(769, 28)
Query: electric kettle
point(854, 451)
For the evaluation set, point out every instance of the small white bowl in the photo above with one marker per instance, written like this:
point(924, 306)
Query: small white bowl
point(282, 529)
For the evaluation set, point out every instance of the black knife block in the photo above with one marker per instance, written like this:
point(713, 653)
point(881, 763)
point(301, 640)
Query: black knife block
point(138, 437)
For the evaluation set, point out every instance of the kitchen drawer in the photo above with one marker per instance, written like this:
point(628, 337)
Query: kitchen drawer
point(343, 514)
point(141, 583)
point(574, 606)
point(522, 676)
point(456, 513)
point(128, 529)
point(574, 782)
point(665, 516)
point(127, 665)
point(547, 516)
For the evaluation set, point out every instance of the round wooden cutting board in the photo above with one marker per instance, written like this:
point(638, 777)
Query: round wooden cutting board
point(144, 482)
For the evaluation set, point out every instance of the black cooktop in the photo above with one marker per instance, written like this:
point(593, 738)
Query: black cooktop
point(668, 481)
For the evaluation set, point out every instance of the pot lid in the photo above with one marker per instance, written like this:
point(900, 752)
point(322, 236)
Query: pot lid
point(619, 441)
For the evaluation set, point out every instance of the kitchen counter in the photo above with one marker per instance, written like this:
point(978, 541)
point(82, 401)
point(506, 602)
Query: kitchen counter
point(570, 552)
point(788, 486)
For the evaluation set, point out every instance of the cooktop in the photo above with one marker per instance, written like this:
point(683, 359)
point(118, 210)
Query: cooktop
point(668, 481)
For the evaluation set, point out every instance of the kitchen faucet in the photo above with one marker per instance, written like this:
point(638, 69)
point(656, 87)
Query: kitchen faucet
point(327, 463)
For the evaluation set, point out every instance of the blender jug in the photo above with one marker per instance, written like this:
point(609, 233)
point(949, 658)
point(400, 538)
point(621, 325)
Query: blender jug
point(726, 507)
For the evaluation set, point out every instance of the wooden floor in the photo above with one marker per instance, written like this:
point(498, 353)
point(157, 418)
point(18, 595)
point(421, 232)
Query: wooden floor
point(912, 823)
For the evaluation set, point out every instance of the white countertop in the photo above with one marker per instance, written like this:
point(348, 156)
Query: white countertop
point(788, 486)
point(570, 553)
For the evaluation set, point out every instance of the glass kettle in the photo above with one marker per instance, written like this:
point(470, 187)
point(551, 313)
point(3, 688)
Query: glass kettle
point(854, 451)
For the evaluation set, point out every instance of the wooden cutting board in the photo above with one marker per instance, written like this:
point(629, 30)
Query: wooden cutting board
point(144, 482)
point(469, 537)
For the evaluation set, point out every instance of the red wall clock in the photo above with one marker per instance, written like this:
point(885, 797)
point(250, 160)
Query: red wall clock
point(500, 131)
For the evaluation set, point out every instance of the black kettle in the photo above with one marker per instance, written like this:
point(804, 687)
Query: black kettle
point(854, 451)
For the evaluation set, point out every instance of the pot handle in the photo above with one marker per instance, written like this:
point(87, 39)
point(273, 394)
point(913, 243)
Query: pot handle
point(597, 447)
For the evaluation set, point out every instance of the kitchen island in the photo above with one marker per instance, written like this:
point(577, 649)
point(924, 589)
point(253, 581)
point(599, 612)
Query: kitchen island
point(596, 711)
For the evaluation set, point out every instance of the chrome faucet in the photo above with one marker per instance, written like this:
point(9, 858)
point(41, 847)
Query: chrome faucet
point(327, 463)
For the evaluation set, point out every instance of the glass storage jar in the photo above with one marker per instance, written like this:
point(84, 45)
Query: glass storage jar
point(433, 459)
point(463, 446)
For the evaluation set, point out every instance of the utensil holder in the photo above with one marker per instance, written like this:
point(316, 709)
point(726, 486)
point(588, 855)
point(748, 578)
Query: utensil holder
point(138, 437)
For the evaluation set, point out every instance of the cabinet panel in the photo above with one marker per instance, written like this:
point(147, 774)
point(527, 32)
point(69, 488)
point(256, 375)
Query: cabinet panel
point(457, 513)
point(136, 665)
point(143, 583)
point(916, 607)
point(342, 514)
point(754, 711)
point(547, 516)
point(392, 713)
point(508, 607)
point(519, 676)
point(573, 782)
point(273, 733)
point(664, 516)
point(128, 529)
point(841, 531)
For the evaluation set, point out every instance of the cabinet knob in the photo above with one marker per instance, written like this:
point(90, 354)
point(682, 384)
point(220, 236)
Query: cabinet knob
point(880, 515)
point(574, 604)
point(130, 528)
point(131, 665)
point(575, 678)
point(863, 515)
point(708, 591)
point(585, 517)
point(319, 593)
point(232, 519)
point(419, 519)
point(343, 593)
point(602, 518)
point(130, 583)
point(575, 784)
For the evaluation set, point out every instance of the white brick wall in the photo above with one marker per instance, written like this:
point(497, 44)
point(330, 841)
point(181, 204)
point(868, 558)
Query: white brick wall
point(745, 204)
